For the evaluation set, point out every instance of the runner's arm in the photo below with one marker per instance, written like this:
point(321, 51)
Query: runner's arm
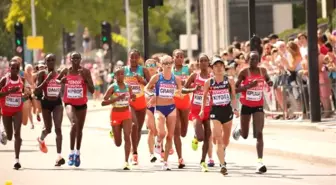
point(186, 89)
point(147, 76)
point(61, 77)
point(233, 94)
point(40, 82)
point(2, 84)
point(205, 93)
point(241, 77)
point(107, 100)
point(150, 85)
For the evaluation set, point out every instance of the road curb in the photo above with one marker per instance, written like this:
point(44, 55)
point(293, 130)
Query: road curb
point(327, 126)
point(287, 154)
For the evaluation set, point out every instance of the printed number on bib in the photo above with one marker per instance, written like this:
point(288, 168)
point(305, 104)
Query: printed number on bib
point(53, 91)
point(253, 95)
point(75, 92)
point(198, 99)
point(13, 101)
point(136, 89)
point(221, 99)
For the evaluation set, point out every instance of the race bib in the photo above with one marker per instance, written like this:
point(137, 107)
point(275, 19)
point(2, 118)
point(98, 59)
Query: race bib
point(123, 102)
point(166, 90)
point(13, 101)
point(76, 92)
point(221, 98)
point(53, 91)
point(254, 95)
point(198, 99)
point(136, 89)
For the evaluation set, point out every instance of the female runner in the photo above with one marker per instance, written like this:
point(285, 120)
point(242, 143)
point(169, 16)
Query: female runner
point(11, 95)
point(223, 105)
point(201, 124)
point(150, 65)
point(52, 108)
point(119, 95)
point(182, 104)
point(136, 77)
point(251, 84)
point(77, 80)
point(165, 85)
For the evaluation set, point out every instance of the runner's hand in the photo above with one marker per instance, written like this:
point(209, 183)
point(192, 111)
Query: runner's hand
point(63, 80)
point(121, 97)
point(235, 112)
point(270, 83)
point(253, 83)
point(133, 97)
point(13, 90)
point(151, 101)
point(201, 114)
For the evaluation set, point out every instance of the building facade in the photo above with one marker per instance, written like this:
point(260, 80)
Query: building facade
point(225, 21)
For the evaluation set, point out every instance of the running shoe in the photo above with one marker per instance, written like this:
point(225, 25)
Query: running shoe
point(165, 166)
point(135, 159)
point(181, 163)
point(77, 160)
point(3, 138)
point(60, 162)
point(194, 144)
point(127, 166)
point(17, 166)
point(236, 133)
point(152, 158)
point(261, 168)
point(111, 134)
point(71, 159)
point(43, 146)
point(223, 169)
point(204, 167)
point(211, 163)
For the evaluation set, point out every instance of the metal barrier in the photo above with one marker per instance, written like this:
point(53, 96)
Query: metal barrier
point(295, 100)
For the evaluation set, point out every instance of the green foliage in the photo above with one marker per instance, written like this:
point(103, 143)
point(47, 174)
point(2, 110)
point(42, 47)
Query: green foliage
point(52, 15)
point(6, 41)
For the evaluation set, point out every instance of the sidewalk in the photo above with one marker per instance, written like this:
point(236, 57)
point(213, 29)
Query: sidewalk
point(286, 140)
point(328, 125)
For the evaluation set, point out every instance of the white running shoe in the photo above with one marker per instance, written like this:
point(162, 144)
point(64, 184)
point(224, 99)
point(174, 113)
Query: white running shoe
point(261, 168)
point(165, 166)
point(236, 133)
point(3, 138)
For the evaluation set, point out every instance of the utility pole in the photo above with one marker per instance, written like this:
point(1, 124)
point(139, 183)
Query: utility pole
point(33, 19)
point(314, 86)
point(188, 26)
point(145, 28)
point(252, 21)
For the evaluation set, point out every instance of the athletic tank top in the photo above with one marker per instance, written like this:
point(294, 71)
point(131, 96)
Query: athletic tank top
point(253, 97)
point(220, 92)
point(183, 73)
point(137, 88)
point(165, 88)
point(52, 89)
point(13, 101)
point(197, 98)
point(118, 92)
point(75, 90)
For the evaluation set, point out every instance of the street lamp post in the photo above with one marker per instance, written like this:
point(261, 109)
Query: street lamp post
point(314, 86)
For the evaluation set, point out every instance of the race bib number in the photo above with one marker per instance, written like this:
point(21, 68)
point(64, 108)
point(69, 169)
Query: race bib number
point(221, 99)
point(198, 99)
point(136, 89)
point(53, 91)
point(13, 101)
point(166, 90)
point(253, 95)
point(75, 92)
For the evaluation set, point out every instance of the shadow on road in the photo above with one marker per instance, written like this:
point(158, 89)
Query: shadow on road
point(22, 151)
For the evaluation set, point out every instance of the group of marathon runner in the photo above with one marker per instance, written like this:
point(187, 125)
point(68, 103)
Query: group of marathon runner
point(164, 94)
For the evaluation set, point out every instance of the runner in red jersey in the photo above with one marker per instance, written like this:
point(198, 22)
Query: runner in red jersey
point(251, 83)
point(77, 80)
point(52, 108)
point(11, 95)
point(201, 124)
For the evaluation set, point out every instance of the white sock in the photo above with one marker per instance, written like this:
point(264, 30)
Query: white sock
point(59, 155)
point(17, 161)
point(77, 152)
point(72, 152)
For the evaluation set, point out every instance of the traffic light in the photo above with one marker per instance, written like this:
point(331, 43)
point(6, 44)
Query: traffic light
point(106, 35)
point(18, 32)
point(153, 3)
point(70, 42)
point(255, 44)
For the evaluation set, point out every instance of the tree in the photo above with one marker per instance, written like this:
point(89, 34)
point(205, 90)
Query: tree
point(6, 44)
point(52, 15)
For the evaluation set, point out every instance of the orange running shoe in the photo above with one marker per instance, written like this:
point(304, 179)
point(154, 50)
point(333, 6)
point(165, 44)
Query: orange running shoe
point(42, 145)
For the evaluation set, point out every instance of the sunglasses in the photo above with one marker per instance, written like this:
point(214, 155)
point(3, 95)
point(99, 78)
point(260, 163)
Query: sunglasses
point(167, 63)
point(150, 65)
